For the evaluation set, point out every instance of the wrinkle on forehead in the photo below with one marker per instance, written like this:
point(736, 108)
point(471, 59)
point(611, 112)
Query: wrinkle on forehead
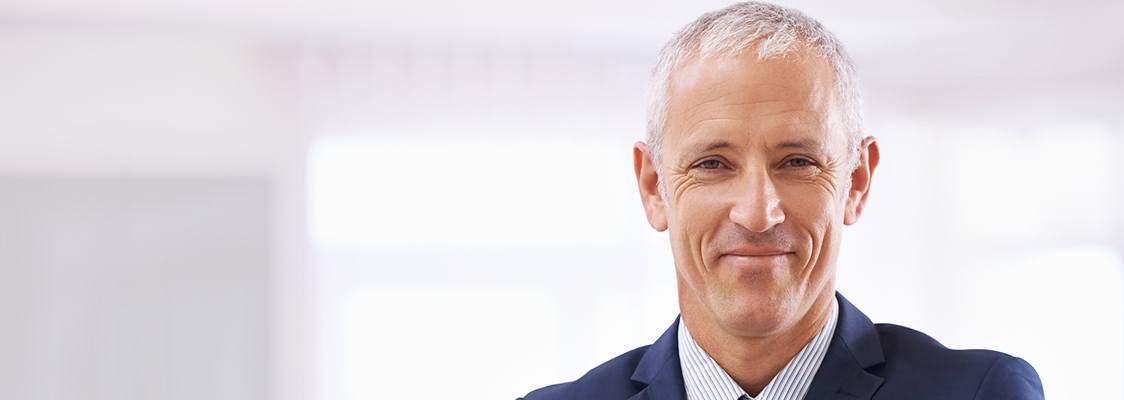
point(804, 143)
point(795, 93)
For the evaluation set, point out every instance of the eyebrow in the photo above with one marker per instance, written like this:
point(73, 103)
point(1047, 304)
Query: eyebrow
point(799, 144)
point(715, 146)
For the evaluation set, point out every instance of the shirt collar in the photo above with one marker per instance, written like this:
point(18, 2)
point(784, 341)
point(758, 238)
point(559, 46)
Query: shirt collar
point(704, 379)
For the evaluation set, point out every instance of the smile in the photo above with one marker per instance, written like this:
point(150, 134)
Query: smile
point(756, 251)
point(756, 258)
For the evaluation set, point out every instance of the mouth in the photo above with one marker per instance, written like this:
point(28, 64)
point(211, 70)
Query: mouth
point(757, 252)
point(757, 257)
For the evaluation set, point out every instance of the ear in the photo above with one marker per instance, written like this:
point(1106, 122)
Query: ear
point(647, 179)
point(860, 180)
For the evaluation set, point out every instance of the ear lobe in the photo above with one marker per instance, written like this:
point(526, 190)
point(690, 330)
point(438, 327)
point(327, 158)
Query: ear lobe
point(860, 180)
point(647, 179)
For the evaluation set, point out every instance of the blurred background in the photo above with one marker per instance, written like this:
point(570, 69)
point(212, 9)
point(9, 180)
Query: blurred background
point(371, 200)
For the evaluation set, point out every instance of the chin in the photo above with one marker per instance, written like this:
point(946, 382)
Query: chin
point(757, 312)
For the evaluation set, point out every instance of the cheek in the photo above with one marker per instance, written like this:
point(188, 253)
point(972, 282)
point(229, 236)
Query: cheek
point(811, 214)
point(811, 206)
point(697, 211)
point(695, 220)
point(823, 266)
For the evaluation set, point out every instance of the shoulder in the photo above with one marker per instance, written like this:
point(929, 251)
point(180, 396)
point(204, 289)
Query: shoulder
point(610, 380)
point(915, 360)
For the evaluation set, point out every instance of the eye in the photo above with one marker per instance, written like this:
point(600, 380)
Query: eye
point(798, 162)
point(709, 164)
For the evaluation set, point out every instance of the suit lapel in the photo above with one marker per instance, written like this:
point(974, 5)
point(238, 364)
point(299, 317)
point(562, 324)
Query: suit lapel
point(659, 369)
point(854, 348)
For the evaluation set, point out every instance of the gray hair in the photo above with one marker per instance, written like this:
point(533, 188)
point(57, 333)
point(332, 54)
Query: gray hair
point(777, 31)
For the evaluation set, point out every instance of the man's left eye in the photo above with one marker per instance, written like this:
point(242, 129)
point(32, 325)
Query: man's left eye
point(799, 162)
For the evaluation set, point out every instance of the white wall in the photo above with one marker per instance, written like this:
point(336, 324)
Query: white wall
point(109, 110)
point(134, 288)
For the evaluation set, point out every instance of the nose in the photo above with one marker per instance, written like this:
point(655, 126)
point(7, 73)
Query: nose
point(757, 207)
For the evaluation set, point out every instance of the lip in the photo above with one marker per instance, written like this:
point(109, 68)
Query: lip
point(756, 259)
point(753, 252)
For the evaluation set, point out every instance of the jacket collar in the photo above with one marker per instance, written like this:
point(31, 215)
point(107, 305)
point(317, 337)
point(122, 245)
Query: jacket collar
point(854, 348)
point(659, 369)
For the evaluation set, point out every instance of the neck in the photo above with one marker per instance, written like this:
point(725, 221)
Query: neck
point(753, 360)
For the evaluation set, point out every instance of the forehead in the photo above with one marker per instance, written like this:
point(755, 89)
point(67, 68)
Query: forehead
point(744, 99)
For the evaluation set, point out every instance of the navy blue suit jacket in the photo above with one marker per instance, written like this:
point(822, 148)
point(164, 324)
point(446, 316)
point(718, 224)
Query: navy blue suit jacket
point(863, 361)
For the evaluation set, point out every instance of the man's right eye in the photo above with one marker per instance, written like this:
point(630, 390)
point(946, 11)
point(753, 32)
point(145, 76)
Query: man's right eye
point(710, 164)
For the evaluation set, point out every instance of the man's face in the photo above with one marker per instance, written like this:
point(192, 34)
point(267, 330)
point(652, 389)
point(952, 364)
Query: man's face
point(754, 164)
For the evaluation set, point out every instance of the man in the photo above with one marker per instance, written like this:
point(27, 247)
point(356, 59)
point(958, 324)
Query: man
point(754, 161)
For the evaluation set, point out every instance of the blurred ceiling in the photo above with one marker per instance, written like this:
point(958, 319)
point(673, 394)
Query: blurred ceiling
point(624, 21)
point(203, 58)
point(1018, 40)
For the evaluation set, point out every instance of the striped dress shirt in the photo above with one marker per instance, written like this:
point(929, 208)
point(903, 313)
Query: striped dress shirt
point(704, 379)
